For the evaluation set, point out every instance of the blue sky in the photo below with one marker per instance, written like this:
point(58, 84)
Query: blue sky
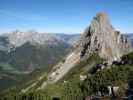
point(63, 16)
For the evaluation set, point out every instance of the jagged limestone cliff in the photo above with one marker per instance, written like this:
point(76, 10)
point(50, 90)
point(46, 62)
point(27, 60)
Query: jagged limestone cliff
point(102, 38)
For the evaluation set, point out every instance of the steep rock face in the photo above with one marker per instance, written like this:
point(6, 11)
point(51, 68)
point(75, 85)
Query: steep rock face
point(99, 37)
point(102, 38)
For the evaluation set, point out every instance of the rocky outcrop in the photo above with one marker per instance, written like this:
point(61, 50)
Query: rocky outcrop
point(102, 38)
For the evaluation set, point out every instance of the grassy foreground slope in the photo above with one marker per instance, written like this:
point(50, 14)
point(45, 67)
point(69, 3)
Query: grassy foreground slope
point(72, 88)
point(26, 60)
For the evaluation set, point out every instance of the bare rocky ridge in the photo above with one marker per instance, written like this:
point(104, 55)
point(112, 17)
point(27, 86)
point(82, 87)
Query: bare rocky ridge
point(102, 38)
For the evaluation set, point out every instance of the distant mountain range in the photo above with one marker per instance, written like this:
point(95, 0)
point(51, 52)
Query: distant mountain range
point(130, 36)
point(18, 38)
point(21, 53)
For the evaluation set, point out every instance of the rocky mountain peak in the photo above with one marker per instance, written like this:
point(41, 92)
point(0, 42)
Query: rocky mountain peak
point(102, 38)
point(102, 17)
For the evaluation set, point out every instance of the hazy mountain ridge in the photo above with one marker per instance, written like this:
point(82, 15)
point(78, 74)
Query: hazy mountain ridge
point(18, 38)
point(130, 36)
point(21, 53)
point(16, 44)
